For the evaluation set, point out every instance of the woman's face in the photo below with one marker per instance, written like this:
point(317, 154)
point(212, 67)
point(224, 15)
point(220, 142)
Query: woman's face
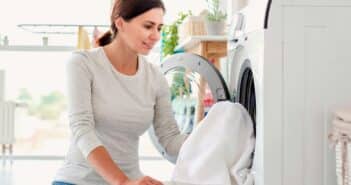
point(142, 32)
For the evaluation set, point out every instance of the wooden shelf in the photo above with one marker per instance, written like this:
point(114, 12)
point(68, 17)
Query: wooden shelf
point(193, 41)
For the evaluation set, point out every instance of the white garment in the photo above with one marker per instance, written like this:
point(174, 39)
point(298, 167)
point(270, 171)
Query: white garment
point(218, 151)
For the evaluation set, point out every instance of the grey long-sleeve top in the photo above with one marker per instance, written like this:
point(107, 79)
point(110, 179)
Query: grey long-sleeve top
point(110, 109)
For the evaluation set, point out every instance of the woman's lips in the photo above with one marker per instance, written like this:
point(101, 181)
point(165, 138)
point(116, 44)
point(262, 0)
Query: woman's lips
point(148, 46)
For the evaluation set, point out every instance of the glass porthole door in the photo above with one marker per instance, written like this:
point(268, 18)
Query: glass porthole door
point(195, 85)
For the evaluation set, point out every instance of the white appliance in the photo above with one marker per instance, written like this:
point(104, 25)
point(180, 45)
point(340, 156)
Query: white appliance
point(297, 53)
point(290, 66)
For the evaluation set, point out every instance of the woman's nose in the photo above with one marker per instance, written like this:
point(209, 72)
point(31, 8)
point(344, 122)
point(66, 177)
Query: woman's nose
point(155, 35)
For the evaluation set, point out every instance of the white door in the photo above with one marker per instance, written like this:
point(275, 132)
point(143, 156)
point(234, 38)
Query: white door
point(316, 72)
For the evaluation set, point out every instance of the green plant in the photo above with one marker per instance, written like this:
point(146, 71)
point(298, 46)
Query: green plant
point(170, 34)
point(214, 11)
point(179, 86)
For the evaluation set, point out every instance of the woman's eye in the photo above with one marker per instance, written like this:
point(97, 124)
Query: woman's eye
point(148, 27)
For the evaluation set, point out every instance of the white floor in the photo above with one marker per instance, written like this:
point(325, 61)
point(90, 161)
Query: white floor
point(41, 172)
point(24, 172)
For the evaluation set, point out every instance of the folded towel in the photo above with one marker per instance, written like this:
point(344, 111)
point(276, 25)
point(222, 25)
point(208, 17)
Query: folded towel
point(344, 114)
point(342, 127)
point(218, 151)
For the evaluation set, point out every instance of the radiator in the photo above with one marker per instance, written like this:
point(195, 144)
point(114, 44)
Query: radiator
point(7, 122)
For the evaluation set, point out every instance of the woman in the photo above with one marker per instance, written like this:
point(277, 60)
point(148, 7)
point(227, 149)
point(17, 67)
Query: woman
point(114, 95)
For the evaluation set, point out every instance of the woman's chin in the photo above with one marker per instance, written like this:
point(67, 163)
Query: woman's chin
point(145, 51)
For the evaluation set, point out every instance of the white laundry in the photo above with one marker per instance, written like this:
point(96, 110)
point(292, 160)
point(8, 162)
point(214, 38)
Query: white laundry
point(218, 151)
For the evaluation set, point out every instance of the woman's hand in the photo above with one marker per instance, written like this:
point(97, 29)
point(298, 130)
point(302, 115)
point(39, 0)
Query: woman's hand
point(146, 180)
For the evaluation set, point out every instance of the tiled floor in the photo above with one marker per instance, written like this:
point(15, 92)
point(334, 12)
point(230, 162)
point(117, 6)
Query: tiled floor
point(41, 172)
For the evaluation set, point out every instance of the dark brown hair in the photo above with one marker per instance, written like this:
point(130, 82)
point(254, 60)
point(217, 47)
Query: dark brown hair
point(127, 9)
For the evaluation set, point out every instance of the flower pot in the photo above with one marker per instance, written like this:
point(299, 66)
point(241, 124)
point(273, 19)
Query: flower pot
point(215, 27)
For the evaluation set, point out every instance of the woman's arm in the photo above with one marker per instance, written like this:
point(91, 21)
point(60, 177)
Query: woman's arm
point(81, 120)
point(105, 166)
point(165, 125)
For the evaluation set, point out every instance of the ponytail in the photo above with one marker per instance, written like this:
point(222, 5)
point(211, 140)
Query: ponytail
point(105, 39)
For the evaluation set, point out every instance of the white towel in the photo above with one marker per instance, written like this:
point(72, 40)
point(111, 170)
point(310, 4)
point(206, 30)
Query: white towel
point(344, 114)
point(342, 127)
point(218, 151)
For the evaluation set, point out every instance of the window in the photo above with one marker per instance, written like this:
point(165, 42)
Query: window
point(37, 78)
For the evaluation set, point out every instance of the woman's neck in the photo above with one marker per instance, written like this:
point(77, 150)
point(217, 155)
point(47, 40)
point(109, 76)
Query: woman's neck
point(123, 59)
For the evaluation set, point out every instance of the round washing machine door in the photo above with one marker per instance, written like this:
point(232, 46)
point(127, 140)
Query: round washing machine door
point(246, 94)
point(242, 82)
point(195, 85)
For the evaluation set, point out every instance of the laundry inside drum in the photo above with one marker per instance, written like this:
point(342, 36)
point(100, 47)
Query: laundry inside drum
point(191, 97)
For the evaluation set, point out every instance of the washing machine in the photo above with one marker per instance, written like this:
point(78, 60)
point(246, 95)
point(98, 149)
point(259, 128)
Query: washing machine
point(289, 65)
point(189, 72)
point(293, 54)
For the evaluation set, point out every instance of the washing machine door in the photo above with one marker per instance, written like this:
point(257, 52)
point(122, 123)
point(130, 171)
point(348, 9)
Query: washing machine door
point(243, 81)
point(195, 85)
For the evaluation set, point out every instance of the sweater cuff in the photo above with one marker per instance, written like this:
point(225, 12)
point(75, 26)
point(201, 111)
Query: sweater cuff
point(173, 147)
point(88, 142)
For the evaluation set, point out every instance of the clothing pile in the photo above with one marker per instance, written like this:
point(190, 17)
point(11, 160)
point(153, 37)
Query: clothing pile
point(340, 137)
point(220, 149)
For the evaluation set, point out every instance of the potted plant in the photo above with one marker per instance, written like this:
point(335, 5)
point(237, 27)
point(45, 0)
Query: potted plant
point(169, 41)
point(215, 19)
point(170, 35)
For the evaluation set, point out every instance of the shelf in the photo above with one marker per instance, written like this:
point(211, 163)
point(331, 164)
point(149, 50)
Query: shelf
point(192, 41)
point(60, 28)
point(36, 48)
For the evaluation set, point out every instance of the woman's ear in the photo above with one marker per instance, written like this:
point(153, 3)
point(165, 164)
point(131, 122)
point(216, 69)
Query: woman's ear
point(119, 23)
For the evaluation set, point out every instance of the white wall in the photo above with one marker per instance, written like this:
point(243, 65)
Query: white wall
point(234, 5)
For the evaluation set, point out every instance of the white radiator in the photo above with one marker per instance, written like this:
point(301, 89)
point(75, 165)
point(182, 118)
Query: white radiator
point(7, 122)
point(2, 85)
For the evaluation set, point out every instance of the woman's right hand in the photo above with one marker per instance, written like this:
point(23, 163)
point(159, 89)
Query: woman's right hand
point(146, 180)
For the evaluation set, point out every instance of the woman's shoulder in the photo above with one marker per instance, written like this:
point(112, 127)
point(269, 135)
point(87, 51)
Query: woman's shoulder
point(84, 57)
point(151, 67)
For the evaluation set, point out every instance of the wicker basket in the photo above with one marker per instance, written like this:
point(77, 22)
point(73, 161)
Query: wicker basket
point(341, 139)
point(342, 144)
point(191, 26)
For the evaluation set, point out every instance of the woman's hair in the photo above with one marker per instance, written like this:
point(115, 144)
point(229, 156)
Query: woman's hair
point(127, 9)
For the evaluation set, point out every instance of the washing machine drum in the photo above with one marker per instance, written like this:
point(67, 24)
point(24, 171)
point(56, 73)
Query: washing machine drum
point(195, 85)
